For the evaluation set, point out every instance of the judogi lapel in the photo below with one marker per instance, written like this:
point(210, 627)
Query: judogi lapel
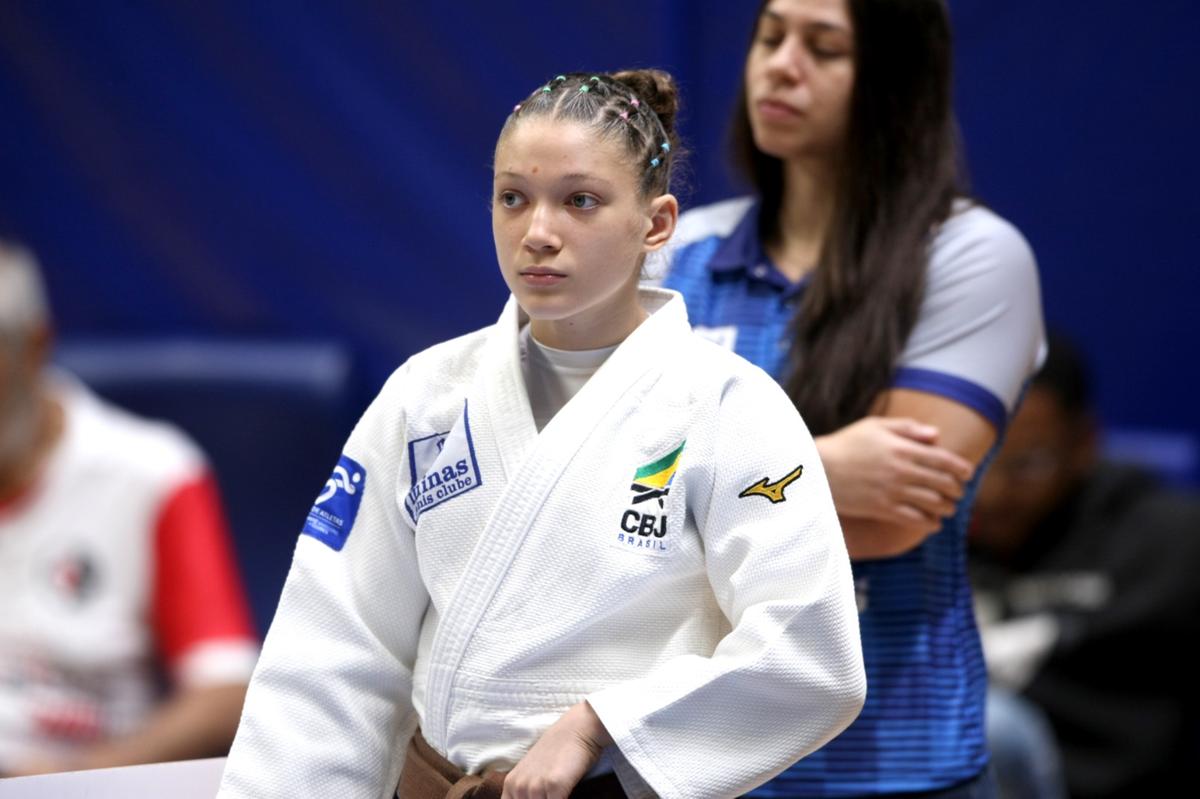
point(533, 464)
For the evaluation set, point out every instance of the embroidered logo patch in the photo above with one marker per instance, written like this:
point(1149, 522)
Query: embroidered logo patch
point(653, 481)
point(332, 515)
point(773, 491)
point(441, 466)
point(640, 526)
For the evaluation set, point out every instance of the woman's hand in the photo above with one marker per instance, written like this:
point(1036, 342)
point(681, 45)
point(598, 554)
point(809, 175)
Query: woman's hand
point(562, 756)
point(888, 469)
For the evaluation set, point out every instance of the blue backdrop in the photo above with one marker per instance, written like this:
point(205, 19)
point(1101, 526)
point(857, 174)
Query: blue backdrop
point(297, 170)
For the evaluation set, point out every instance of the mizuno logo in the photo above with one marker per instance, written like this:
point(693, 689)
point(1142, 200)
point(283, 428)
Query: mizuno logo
point(773, 491)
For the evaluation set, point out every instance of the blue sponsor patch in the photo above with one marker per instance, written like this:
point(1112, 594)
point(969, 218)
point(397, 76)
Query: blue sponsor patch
point(332, 516)
point(441, 467)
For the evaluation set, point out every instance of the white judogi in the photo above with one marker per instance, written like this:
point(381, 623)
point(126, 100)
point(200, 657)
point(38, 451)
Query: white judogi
point(469, 574)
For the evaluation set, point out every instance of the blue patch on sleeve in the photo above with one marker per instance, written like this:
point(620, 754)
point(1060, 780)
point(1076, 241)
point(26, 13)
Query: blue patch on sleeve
point(332, 516)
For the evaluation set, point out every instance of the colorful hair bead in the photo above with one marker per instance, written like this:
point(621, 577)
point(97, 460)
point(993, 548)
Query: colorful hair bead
point(624, 115)
point(633, 101)
point(654, 162)
point(584, 89)
point(666, 147)
point(560, 78)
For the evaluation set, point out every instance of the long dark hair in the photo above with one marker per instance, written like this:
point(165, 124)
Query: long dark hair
point(896, 182)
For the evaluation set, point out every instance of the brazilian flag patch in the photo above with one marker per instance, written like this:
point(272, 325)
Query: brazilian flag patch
point(653, 481)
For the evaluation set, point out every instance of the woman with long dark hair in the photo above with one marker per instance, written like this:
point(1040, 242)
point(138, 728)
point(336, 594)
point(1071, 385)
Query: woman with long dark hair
point(903, 320)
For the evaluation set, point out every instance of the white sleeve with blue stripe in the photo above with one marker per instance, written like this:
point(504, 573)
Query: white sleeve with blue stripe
point(979, 336)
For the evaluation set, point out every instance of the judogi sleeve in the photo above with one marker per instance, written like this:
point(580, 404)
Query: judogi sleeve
point(789, 675)
point(331, 695)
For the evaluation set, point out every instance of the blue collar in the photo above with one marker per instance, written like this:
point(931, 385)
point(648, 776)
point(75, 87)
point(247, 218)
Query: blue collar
point(743, 250)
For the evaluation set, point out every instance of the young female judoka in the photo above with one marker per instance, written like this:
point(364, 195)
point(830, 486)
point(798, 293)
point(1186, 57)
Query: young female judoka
point(580, 544)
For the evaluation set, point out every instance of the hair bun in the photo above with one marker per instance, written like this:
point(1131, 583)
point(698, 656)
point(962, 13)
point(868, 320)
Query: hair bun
point(656, 89)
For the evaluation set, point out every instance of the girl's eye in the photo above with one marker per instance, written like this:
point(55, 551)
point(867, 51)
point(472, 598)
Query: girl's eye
point(510, 199)
point(583, 201)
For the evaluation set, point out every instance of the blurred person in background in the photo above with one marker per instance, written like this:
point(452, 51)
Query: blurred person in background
point(126, 636)
point(1085, 582)
point(904, 320)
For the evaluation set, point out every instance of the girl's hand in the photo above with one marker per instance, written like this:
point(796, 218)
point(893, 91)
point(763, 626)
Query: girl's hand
point(888, 469)
point(562, 756)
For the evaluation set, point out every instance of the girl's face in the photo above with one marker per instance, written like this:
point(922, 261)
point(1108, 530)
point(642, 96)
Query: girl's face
point(571, 231)
point(800, 78)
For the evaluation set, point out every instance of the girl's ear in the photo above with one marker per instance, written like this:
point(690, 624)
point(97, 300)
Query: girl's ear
point(664, 213)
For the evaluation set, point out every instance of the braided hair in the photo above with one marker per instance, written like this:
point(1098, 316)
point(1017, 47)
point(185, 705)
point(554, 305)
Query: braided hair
point(634, 107)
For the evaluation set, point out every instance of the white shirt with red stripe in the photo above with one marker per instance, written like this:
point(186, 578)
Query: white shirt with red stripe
point(116, 573)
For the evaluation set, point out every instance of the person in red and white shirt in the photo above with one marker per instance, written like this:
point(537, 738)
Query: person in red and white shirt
point(125, 635)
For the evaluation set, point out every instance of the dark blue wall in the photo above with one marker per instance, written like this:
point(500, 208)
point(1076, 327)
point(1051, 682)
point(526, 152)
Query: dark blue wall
point(258, 168)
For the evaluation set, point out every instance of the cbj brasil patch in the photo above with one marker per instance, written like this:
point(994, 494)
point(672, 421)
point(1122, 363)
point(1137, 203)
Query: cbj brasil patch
point(653, 481)
point(640, 526)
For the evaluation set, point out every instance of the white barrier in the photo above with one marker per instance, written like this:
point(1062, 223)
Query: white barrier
point(187, 779)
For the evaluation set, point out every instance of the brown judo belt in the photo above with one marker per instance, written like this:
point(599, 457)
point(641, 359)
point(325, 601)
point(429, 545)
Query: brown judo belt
point(428, 775)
